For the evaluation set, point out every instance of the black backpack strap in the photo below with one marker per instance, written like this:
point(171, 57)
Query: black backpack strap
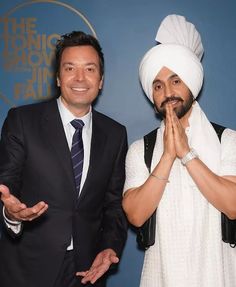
point(228, 226)
point(218, 129)
point(149, 143)
point(147, 232)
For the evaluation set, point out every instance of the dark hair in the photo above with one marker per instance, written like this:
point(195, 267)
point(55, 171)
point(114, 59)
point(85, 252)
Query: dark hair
point(78, 38)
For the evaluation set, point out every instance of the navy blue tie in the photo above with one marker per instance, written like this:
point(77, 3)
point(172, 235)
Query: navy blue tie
point(77, 152)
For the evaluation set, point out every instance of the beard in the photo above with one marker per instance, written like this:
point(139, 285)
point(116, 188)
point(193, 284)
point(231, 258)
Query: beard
point(182, 108)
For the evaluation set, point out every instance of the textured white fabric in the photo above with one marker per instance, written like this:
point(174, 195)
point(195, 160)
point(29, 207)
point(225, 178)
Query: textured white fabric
point(178, 59)
point(188, 250)
point(202, 137)
point(180, 51)
point(175, 29)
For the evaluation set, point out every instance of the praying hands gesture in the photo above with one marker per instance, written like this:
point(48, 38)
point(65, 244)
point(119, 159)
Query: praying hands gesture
point(218, 190)
point(16, 210)
point(175, 146)
point(100, 265)
point(175, 139)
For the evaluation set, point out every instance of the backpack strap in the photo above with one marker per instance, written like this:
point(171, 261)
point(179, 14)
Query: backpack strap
point(147, 232)
point(218, 129)
point(228, 226)
point(149, 143)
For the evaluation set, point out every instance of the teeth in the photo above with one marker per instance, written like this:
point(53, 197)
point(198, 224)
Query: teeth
point(79, 89)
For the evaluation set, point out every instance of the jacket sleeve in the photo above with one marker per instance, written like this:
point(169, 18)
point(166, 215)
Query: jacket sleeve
point(12, 152)
point(114, 225)
point(12, 157)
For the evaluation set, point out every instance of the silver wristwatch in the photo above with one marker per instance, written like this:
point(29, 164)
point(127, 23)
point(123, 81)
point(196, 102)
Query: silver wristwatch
point(189, 156)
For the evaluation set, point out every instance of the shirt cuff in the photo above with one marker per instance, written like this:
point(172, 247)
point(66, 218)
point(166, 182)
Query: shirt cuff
point(14, 225)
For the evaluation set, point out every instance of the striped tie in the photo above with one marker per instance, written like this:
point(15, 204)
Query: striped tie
point(77, 152)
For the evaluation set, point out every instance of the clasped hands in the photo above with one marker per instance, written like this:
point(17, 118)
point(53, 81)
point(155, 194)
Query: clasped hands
point(175, 138)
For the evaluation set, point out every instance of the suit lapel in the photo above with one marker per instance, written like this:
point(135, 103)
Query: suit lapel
point(96, 152)
point(55, 135)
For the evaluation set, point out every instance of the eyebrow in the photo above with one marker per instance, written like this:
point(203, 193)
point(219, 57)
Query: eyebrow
point(169, 78)
point(67, 63)
point(74, 64)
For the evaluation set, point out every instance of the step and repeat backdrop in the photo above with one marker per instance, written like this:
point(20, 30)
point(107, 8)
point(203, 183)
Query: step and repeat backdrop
point(126, 29)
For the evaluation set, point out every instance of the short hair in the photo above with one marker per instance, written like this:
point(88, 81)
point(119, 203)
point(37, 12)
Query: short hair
point(78, 38)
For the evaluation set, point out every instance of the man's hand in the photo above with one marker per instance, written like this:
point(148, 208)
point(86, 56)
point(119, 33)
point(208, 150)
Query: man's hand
point(100, 265)
point(16, 210)
point(169, 144)
point(180, 137)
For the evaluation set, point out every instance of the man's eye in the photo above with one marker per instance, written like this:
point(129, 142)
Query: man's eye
point(90, 69)
point(69, 69)
point(176, 81)
point(157, 87)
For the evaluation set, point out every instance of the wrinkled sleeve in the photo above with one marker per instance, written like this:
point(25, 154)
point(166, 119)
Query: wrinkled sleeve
point(228, 153)
point(135, 168)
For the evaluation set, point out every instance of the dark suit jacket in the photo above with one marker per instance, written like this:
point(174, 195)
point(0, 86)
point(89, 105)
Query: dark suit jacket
point(35, 164)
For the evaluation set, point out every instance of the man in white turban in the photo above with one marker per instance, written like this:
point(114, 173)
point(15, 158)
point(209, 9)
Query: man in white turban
point(193, 173)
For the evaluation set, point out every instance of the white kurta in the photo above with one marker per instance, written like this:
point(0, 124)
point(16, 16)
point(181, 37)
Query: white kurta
point(188, 251)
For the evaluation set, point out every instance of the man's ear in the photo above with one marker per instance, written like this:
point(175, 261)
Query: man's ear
point(155, 109)
point(58, 82)
point(101, 83)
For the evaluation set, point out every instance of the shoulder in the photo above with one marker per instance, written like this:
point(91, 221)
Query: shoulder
point(135, 151)
point(137, 145)
point(33, 109)
point(106, 121)
point(29, 116)
point(136, 170)
point(228, 152)
point(228, 137)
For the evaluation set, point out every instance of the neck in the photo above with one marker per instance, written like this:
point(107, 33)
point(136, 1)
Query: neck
point(78, 110)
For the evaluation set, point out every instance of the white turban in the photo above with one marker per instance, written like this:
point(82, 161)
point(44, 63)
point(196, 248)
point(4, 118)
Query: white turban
point(180, 51)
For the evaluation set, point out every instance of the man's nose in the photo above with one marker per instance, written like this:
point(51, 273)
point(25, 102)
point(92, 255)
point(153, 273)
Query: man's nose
point(169, 91)
point(79, 75)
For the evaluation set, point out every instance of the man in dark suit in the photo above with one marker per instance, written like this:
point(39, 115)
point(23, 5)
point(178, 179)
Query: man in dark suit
point(59, 232)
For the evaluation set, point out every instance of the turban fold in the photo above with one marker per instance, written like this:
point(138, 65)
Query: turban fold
point(180, 51)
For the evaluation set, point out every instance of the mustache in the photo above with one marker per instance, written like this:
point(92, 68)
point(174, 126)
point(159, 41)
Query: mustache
point(170, 99)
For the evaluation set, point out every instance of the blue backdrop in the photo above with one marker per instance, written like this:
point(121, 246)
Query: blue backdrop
point(126, 30)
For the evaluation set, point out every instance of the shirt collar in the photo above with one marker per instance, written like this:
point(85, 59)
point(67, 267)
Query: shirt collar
point(67, 116)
